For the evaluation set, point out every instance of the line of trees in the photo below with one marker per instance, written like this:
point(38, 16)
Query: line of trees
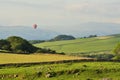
point(90, 36)
point(36, 41)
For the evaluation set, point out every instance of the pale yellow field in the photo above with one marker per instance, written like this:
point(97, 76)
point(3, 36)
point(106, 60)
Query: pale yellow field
point(104, 37)
point(21, 58)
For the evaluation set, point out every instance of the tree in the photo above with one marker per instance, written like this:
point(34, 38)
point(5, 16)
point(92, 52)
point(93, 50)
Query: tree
point(20, 45)
point(117, 52)
point(117, 49)
point(4, 45)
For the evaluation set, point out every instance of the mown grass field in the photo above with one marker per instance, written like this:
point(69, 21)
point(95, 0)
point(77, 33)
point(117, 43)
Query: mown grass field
point(21, 58)
point(97, 44)
point(64, 71)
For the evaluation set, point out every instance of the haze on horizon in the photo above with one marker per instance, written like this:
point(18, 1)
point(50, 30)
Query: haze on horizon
point(67, 16)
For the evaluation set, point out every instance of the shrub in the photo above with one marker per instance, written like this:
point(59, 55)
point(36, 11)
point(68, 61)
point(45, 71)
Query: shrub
point(117, 49)
point(117, 52)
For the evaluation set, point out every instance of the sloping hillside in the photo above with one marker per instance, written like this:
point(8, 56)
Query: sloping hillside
point(97, 44)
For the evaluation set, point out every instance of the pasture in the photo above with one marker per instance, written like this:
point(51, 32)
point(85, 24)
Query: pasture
point(64, 71)
point(85, 45)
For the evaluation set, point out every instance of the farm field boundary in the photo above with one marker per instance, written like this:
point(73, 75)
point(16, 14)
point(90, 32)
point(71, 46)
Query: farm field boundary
point(55, 62)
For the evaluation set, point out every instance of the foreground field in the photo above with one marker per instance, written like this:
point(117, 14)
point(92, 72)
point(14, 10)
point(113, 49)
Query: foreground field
point(65, 71)
point(86, 45)
point(21, 58)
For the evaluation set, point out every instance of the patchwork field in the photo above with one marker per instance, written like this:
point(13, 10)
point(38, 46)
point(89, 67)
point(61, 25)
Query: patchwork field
point(97, 44)
point(21, 58)
point(64, 71)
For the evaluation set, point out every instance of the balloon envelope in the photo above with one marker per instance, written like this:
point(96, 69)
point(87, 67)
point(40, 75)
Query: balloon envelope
point(34, 26)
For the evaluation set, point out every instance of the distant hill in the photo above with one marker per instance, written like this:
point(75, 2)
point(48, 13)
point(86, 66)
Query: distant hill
point(97, 28)
point(86, 45)
point(78, 30)
point(63, 37)
point(26, 32)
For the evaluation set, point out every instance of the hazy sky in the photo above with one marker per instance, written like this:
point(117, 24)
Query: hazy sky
point(58, 14)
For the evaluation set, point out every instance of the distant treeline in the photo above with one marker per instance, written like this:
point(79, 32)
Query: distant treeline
point(90, 36)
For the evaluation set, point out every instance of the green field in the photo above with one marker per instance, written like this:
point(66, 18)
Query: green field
point(64, 71)
point(86, 45)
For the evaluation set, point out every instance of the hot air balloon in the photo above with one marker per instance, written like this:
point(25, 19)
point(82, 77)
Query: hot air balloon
point(34, 26)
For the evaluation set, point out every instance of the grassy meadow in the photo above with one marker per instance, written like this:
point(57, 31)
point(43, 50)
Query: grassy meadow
point(64, 71)
point(85, 45)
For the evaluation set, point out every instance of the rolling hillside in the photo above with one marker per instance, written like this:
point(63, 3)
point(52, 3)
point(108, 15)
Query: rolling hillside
point(97, 44)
